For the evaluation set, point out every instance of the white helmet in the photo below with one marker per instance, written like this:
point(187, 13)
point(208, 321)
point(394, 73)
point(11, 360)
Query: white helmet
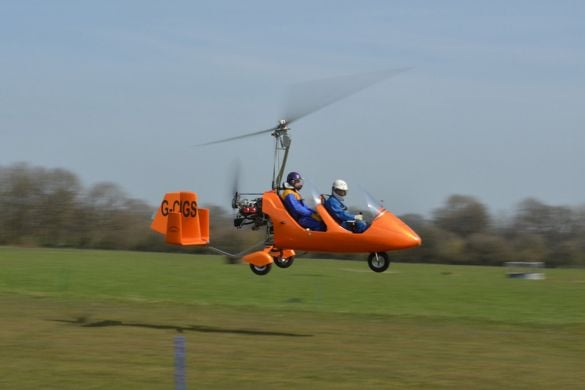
point(339, 189)
point(340, 185)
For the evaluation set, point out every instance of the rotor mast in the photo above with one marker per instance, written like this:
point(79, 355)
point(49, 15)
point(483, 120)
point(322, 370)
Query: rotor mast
point(282, 143)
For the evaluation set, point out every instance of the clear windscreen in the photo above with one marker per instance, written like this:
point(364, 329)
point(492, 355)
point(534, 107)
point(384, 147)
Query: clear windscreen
point(374, 206)
point(358, 200)
point(312, 195)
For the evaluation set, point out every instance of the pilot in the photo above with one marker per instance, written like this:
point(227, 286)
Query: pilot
point(334, 204)
point(305, 216)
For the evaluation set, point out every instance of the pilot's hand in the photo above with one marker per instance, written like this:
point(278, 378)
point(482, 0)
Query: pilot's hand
point(316, 216)
point(359, 217)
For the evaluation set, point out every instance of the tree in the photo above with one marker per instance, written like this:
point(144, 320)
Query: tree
point(112, 220)
point(486, 249)
point(37, 205)
point(50, 207)
point(529, 247)
point(552, 222)
point(59, 205)
point(462, 215)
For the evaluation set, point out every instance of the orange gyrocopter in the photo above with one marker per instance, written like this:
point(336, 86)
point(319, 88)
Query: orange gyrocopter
point(183, 222)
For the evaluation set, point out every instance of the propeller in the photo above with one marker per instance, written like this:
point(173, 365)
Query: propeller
point(306, 98)
point(236, 170)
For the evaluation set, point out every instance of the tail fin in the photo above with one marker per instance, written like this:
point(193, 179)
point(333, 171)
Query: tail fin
point(181, 221)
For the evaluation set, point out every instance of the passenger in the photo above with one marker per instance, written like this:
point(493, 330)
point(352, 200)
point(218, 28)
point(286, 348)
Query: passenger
point(305, 216)
point(334, 204)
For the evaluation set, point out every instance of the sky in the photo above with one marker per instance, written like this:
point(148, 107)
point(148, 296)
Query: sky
point(120, 91)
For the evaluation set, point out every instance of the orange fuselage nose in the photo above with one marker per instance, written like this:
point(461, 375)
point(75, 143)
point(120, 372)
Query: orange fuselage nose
point(393, 232)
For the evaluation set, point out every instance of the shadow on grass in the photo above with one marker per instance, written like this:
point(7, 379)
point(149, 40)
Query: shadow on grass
point(82, 322)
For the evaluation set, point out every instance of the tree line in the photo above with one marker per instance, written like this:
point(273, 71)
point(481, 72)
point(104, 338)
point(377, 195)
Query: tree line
point(51, 208)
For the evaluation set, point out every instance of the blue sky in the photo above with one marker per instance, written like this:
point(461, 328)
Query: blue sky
point(120, 90)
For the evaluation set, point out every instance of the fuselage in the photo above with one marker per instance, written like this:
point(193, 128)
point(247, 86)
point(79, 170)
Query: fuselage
point(386, 232)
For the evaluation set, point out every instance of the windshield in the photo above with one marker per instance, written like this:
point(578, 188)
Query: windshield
point(312, 195)
point(374, 206)
point(358, 200)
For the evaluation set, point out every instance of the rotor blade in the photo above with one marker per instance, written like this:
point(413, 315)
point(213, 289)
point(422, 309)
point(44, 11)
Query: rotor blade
point(236, 137)
point(308, 97)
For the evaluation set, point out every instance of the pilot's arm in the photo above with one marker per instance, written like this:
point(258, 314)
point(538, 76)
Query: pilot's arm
point(297, 206)
point(337, 209)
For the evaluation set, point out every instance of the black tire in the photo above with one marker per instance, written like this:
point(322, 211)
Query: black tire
point(283, 262)
point(260, 270)
point(378, 262)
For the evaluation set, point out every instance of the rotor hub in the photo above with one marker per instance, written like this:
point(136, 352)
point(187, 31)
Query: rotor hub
point(282, 128)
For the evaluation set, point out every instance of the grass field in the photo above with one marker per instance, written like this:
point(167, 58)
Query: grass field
point(103, 319)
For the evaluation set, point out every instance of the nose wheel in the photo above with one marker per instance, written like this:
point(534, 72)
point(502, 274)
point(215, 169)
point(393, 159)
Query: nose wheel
point(378, 261)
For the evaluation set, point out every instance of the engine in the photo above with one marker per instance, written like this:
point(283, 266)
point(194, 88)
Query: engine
point(249, 212)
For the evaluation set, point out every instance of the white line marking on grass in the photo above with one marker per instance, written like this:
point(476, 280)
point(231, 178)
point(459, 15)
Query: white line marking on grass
point(367, 271)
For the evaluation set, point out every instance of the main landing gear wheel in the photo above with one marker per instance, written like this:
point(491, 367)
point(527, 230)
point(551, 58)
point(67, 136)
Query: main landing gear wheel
point(283, 262)
point(260, 270)
point(378, 261)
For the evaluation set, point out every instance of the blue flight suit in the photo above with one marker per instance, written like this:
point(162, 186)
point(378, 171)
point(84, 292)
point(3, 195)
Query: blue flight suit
point(305, 216)
point(339, 213)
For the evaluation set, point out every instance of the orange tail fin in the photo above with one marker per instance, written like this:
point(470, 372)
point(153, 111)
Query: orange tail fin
point(181, 221)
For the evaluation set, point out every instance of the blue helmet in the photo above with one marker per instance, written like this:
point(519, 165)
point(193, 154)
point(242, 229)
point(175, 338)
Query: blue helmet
point(292, 177)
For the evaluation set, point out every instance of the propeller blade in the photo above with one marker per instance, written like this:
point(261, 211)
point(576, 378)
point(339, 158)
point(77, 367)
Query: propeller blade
point(311, 96)
point(237, 137)
point(236, 173)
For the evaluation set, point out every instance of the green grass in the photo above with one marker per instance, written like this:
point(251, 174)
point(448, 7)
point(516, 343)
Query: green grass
point(104, 319)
